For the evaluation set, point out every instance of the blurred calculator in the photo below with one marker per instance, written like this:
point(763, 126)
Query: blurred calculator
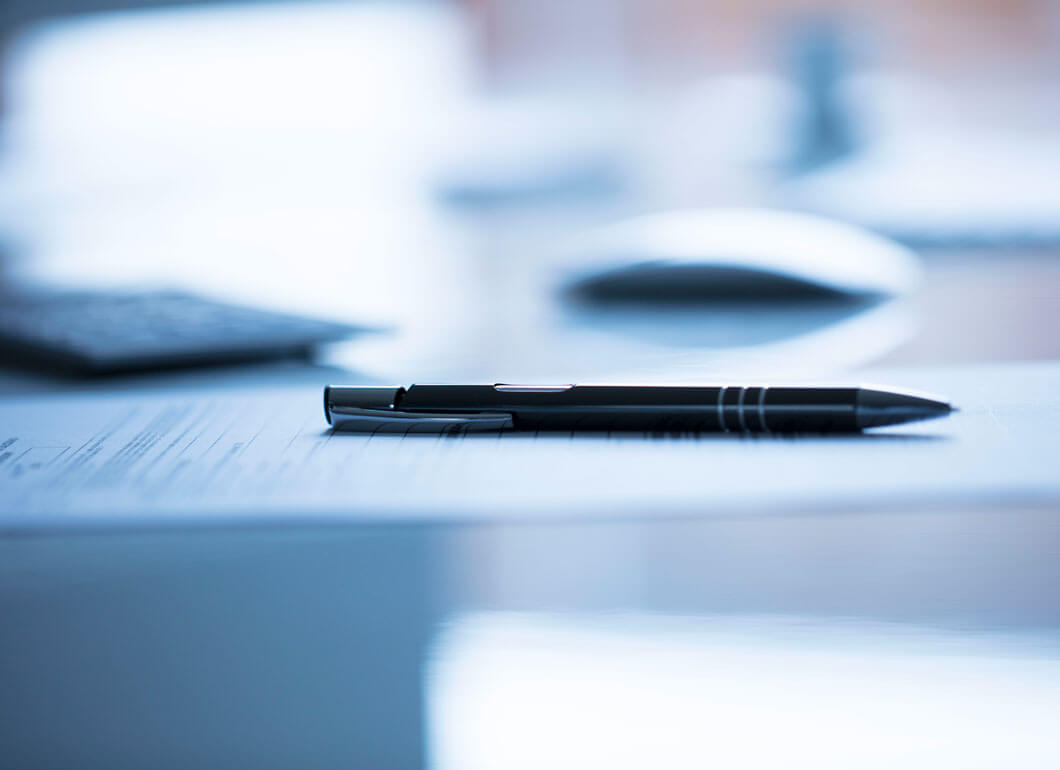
point(102, 332)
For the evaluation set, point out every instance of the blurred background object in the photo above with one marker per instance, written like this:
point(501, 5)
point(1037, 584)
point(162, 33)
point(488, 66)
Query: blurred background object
point(417, 165)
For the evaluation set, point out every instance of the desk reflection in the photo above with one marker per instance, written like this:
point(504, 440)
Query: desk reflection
point(821, 639)
point(262, 649)
point(826, 638)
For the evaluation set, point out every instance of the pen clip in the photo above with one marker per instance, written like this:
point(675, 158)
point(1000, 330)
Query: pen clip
point(363, 420)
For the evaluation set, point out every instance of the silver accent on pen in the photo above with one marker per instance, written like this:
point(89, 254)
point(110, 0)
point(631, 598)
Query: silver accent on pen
point(721, 408)
point(739, 409)
point(762, 408)
point(504, 388)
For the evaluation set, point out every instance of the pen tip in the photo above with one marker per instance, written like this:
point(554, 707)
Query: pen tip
point(876, 408)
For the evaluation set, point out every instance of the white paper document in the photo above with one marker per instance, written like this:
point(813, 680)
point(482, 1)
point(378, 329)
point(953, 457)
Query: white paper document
point(140, 459)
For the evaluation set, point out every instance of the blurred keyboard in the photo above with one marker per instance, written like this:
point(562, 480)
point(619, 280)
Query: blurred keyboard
point(100, 332)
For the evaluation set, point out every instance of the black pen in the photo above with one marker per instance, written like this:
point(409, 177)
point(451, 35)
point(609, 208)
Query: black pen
point(734, 409)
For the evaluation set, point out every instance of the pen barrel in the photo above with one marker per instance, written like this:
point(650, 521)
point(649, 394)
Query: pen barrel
point(732, 409)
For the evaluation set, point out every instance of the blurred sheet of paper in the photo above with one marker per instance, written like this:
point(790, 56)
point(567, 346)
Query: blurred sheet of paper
point(139, 460)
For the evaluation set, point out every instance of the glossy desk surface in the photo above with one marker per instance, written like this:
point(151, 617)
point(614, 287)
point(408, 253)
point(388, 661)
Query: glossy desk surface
point(870, 637)
point(856, 637)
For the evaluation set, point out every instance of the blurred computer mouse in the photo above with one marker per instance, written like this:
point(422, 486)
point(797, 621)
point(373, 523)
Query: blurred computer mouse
point(736, 255)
